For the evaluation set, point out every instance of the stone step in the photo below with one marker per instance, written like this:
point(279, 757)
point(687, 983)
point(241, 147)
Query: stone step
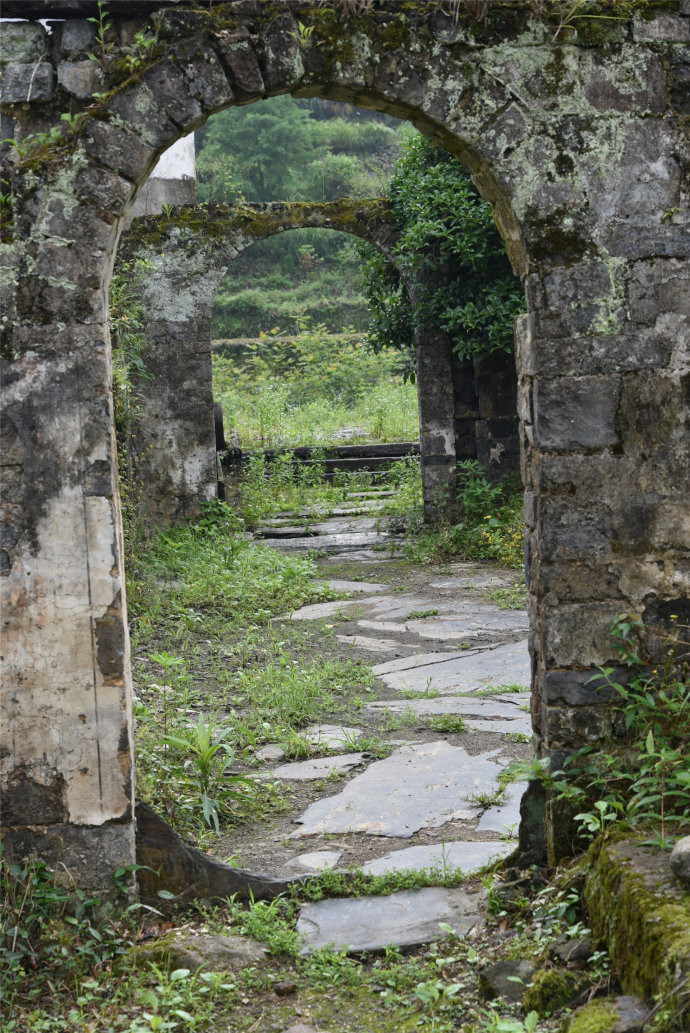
point(466, 855)
point(405, 919)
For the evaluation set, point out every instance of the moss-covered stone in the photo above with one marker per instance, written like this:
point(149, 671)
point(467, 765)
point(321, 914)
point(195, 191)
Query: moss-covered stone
point(643, 917)
point(595, 1017)
point(551, 989)
point(608, 1015)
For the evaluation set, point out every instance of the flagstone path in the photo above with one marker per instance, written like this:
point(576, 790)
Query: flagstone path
point(452, 705)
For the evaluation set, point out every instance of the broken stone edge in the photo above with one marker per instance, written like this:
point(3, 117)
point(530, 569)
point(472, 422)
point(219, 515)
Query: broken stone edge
point(169, 864)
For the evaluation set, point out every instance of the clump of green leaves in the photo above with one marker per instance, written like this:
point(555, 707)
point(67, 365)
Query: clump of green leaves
point(50, 935)
point(644, 779)
point(489, 523)
point(450, 248)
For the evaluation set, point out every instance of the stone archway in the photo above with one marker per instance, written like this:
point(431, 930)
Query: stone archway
point(579, 141)
point(187, 251)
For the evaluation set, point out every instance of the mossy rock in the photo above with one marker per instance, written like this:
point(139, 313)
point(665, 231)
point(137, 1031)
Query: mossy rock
point(607, 1015)
point(637, 909)
point(551, 989)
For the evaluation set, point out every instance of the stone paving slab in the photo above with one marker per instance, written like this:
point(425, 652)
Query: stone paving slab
point(368, 556)
point(470, 581)
point(316, 861)
point(404, 919)
point(483, 707)
point(374, 645)
point(277, 532)
point(270, 752)
point(420, 786)
point(505, 815)
point(521, 725)
point(397, 607)
point(317, 611)
point(407, 663)
point(505, 665)
point(319, 767)
point(337, 585)
point(382, 627)
point(473, 626)
point(468, 855)
point(330, 736)
point(325, 542)
point(343, 525)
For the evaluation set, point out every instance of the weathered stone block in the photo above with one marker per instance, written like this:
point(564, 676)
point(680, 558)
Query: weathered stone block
point(569, 727)
point(42, 799)
point(207, 82)
point(82, 855)
point(280, 54)
point(167, 84)
point(239, 58)
point(680, 79)
point(121, 151)
point(571, 531)
point(579, 688)
point(635, 907)
point(109, 191)
point(524, 344)
point(656, 288)
point(680, 861)
point(21, 83)
point(606, 92)
point(579, 635)
point(576, 412)
point(604, 354)
point(22, 43)
point(578, 580)
point(141, 114)
point(75, 37)
point(663, 27)
point(80, 78)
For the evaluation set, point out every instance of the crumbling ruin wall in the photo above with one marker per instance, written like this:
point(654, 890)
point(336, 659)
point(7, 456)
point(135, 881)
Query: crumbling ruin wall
point(580, 141)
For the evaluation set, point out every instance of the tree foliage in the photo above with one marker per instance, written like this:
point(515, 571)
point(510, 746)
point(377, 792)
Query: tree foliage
point(450, 246)
point(278, 150)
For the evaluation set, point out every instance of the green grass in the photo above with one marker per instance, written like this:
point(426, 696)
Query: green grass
point(313, 389)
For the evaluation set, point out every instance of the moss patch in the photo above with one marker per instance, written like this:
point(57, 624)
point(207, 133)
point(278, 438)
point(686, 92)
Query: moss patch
point(637, 909)
point(551, 988)
point(595, 1017)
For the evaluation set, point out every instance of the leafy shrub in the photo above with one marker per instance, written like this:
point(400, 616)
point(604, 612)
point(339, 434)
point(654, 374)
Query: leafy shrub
point(450, 247)
point(643, 777)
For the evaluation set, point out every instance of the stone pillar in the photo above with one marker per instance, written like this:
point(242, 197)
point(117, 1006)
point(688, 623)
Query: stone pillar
point(603, 404)
point(496, 429)
point(174, 444)
point(436, 421)
point(66, 761)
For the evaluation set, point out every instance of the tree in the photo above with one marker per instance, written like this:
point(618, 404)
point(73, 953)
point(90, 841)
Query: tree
point(451, 249)
point(269, 144)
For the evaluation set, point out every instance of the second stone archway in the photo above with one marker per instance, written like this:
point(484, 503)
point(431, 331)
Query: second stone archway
point(467, 408)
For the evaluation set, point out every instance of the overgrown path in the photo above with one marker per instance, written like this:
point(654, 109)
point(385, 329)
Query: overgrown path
point(408, 775)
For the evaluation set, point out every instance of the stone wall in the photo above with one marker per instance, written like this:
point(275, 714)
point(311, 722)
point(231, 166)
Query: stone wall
point(579, 138)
